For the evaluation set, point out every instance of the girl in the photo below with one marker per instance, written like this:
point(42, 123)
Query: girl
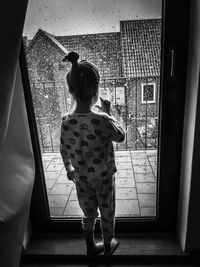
point(88, 155)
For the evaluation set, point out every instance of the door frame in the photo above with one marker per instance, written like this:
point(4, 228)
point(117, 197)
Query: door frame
point(171, 110)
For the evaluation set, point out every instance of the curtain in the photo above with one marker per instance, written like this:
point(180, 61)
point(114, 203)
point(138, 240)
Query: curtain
point(16, 155)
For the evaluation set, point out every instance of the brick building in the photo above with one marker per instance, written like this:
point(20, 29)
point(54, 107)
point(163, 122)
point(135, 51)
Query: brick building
point(129, 63)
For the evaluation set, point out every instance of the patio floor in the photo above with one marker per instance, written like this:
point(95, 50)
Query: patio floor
point(136, 185)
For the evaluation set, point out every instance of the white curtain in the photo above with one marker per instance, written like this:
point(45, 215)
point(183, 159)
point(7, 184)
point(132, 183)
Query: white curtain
point(16, 155)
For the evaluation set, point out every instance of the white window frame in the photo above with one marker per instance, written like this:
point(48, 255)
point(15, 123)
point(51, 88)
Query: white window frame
point(154, 94)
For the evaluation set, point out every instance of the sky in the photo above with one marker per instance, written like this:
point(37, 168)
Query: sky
point(72, 17)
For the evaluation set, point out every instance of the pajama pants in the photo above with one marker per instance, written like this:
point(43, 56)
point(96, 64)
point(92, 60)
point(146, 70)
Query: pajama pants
point(98, 194)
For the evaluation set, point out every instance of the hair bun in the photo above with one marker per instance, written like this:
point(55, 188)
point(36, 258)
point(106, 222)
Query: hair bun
point(71, 57)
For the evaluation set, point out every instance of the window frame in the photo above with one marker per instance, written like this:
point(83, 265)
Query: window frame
point(169, 157)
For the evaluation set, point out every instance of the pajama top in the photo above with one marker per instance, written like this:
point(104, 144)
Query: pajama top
point(86, 144)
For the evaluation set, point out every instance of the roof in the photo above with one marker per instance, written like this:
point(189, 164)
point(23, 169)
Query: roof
point(141, 45)
point(103, 49)
point(132, 52)
point(51, 37)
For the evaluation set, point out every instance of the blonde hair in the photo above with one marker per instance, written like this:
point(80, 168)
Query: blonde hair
point(83, 77)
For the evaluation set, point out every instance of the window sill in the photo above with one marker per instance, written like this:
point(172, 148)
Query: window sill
point(139, 247)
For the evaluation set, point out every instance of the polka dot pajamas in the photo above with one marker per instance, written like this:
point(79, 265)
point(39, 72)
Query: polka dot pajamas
point(98, 194)
point(86, 148)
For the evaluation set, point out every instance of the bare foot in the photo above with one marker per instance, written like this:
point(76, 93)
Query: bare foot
point(110, 249)
point(98, 248)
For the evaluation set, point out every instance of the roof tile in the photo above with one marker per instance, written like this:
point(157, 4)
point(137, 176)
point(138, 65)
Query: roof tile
point(141, 44)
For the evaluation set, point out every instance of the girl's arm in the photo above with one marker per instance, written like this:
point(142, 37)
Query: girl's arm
point(114, 131)
point(63, 151)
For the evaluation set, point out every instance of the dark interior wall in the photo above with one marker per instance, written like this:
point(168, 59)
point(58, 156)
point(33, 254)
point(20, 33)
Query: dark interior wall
point(189, 200)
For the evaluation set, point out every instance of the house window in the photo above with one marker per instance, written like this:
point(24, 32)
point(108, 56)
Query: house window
point(148, 93)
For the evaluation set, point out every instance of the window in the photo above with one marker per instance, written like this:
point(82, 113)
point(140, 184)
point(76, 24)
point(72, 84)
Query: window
point(137, 190)
point(148, 93)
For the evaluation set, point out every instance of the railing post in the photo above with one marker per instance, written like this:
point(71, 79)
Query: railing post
point(146, 117)
point(49, 118)
point(136, 115)
point(37, 116)
point(157, 101)
point(117, 148)
point(65, 96)
point(126, 108)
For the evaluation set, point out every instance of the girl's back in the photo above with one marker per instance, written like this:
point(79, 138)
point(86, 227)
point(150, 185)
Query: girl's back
point(87, 139)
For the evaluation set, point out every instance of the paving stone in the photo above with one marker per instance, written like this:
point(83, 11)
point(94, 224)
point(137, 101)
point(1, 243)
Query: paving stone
point(125, 182)
point(62, 189)
point(127, 208)
point(124, 173)
point(151, 152)
point(123, 159)
point(63, 199)
point(56, 211)
point(57, 200)
point(153, 164)
point(144, 177)
point(62, 179)
point(138, 154)
point(73, 195)
point(51, 175)
point(155, 170)
point(147, 200)
point(57, 160)
point(122, 153)
point(63, 171)
point(124, 165)
point(48, 157)
point(55, 167)
point(142, 169)
point(50, 183)
point(45, 164)
point(73, 209)
point(153, 160)
point(146, 187)
point(147, 211)
point(126, 193)
point(140, 161)
point(48, 191)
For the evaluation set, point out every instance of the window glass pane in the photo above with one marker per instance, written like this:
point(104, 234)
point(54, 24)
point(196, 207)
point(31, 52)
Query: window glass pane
point(148, 93)
point(123, 39)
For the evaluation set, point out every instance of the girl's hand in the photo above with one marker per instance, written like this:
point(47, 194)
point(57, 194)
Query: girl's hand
point(105, 106)
point(71, 176)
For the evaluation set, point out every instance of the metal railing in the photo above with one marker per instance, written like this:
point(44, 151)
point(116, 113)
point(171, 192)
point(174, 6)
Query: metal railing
point(135, 103)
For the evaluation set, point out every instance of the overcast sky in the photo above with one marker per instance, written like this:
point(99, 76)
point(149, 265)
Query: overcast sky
point(71, 17)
